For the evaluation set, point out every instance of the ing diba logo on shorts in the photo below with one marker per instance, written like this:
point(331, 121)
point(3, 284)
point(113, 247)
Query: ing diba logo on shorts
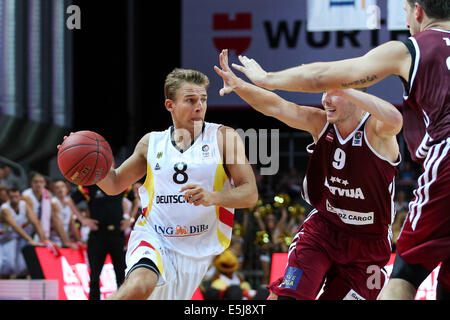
point(181, 231)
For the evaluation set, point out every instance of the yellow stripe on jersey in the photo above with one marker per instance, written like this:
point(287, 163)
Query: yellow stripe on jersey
point(150, 190)
point(219, 181)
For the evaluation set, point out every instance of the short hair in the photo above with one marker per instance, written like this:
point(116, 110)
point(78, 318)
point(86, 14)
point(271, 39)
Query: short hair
point(178, 76)
point(12, 190)
point(436, 9)
point(34, 174)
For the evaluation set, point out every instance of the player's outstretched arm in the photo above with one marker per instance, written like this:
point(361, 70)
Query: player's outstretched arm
point(270, 104)
point(130, 171)
point(391, 58)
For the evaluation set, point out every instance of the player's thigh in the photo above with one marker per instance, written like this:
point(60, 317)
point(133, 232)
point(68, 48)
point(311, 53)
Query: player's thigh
point(307, 265)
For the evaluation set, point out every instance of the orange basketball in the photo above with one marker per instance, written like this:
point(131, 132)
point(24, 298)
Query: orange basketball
point(84, 158)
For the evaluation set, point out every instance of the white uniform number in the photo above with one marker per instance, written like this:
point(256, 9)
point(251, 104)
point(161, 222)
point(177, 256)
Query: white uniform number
point(339, 159)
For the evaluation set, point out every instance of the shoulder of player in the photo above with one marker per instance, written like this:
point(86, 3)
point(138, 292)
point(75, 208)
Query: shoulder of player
point(4, 206)
point(5, 214)
point(226, 130)
point(227, 135)
point(55, 203)
point(27, 198)
point(142, 145)
point(383, 130)
point(381, 140)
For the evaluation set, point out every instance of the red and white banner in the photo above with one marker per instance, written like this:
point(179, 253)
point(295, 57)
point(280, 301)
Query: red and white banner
point(71, 269)
point(426, 291)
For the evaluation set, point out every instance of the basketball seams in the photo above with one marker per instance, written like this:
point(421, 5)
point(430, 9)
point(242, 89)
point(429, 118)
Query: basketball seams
point(86, 136)
point(81, 145)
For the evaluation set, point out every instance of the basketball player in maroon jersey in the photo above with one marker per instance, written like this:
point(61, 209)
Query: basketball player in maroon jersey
point(349, 182)
point(423, 64)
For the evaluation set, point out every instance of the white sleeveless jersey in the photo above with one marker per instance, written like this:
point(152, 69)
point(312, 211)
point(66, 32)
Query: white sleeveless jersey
point(36, 202)
point(196, 231)
point(66, 213)
point(20, 217)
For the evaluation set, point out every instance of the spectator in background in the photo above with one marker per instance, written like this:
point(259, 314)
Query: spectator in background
point(3, 194)
point(9, 179)
point(407, 173)
point(61, 208)
point(397, 227)
point(268, 237)
point(265, 189)
point(401, 203)
point(2, 174)
point(291, 183)
point(38, 197)
point(18, 215)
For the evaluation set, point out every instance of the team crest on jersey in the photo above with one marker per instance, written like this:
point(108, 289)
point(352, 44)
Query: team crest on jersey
point(330, 136)
point(357, 139)
point(205, 151)
point(159, 155)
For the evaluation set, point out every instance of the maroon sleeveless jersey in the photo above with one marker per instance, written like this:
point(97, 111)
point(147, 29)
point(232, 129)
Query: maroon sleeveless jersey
point(349, 183)
point(427, 92)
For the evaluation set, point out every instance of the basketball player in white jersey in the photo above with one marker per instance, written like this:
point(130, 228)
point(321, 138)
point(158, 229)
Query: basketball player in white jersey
point(197, 172)
point(61, 207)
point(38, 197)
point(15, 216)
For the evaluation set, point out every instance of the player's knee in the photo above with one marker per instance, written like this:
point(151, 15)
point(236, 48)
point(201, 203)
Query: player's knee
point(141, 283)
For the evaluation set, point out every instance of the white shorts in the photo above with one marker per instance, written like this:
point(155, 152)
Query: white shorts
point(8, 253)
point(178, 275)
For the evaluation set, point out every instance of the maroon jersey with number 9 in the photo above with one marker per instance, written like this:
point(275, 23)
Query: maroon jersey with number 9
point(349, 183)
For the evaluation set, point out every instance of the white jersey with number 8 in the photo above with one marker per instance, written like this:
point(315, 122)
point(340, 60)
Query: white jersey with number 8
point(195, 231)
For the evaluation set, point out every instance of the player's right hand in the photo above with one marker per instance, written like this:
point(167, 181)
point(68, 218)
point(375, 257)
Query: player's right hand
point(252, 70)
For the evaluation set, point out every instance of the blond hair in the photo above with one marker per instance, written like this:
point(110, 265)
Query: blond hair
point(178, 76)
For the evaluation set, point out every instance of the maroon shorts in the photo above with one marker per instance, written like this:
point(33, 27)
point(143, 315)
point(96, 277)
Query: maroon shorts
point(351, 266)
point(425, 236)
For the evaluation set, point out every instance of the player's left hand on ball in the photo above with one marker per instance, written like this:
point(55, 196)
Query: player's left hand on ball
point(196, 195)
point(64, 138)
